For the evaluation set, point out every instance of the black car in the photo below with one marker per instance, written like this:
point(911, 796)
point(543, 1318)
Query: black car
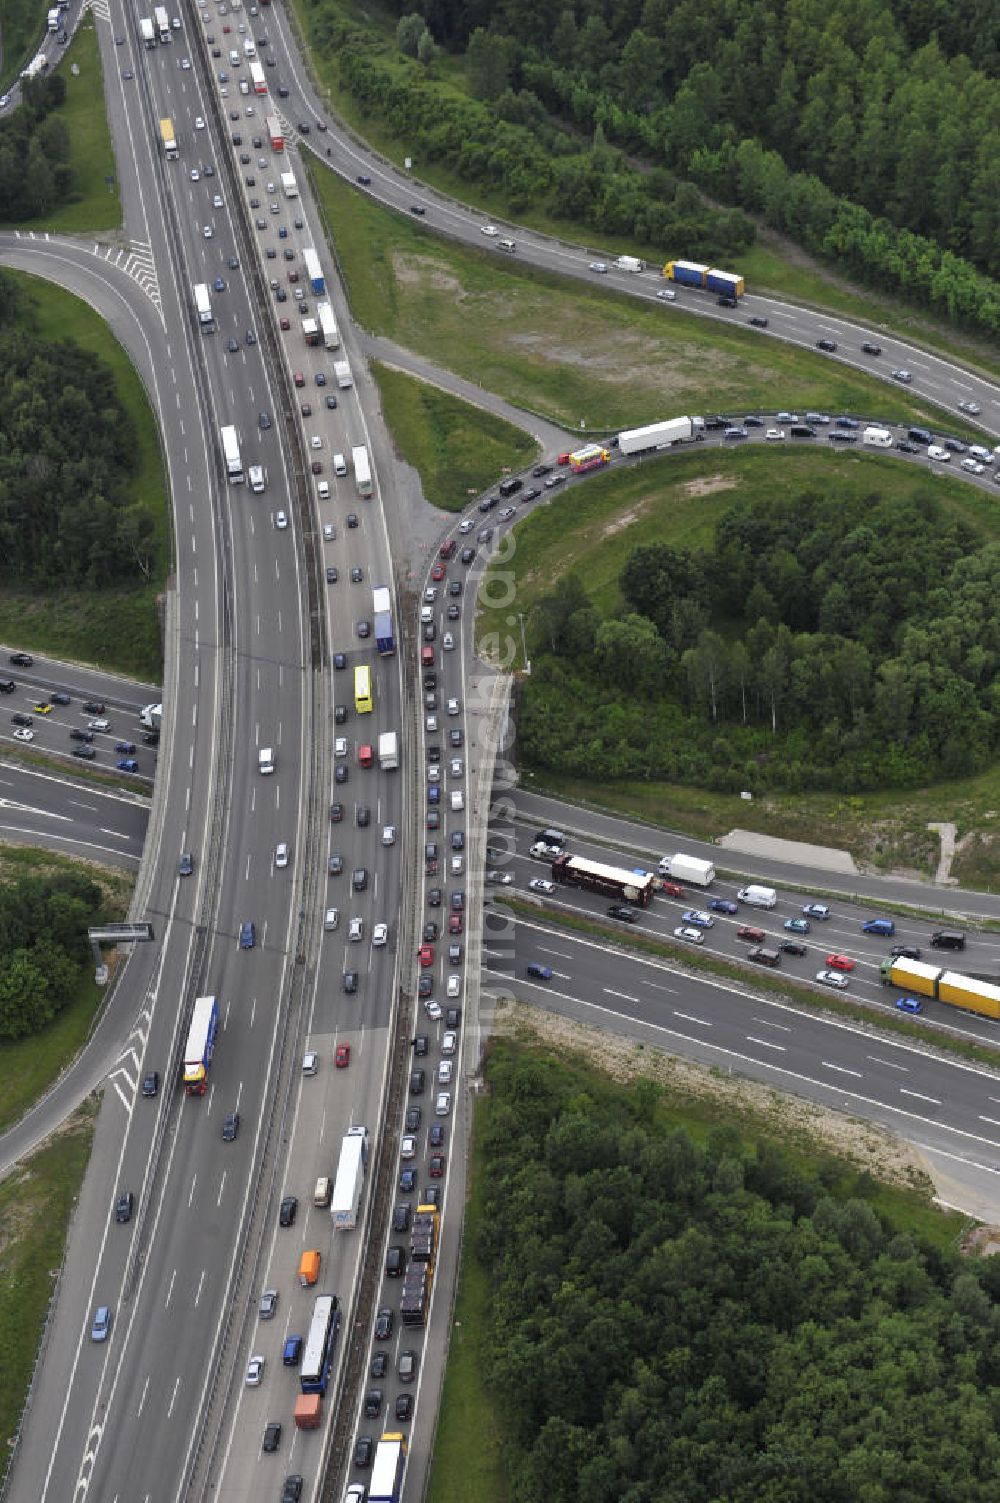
point(869, 348)
point(59, 699)
point(624, 912)
point(379, 1365)
point(288, 1211)
point(19, 718)
point(85, 753)
point(124, 1205)
point(373, 1403)
point(151, 738)
point(151, 1083)
point(292, 1490)
point(792, 947)
point(272, 1436)
point(363, 816)
point(364, 1446)
point(540, 470)
point(430, 932)
point(401, 1215)
point(905, 952)
point(395, 1262)
point(829, 345)
point(23, 660)
point(404, 1407)
point(364, 180)
point(453, 1017)
point(185, 865)
point(77, 735)
point(264, 420)
point(418, 209)
point(759, 323)
point(350, 982)
point(417, 1081)
point(435, 1138)
point(431, 1196)
point(230, 1128)
point(905, 447)
point(7, 686)
point(425, 985)
point(421, 1045)
point(468, 554)
point(841, 436)
point(383, 1324)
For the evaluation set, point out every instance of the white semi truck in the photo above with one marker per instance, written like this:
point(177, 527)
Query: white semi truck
point(349, 1185)
point(678, 430)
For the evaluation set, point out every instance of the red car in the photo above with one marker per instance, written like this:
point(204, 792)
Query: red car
point(454, 923)
point(673, 889)
point(438, 572)
point(436, 1166)
point(342, 1056)
point(426, 955)
point(317, 467)
point(840, 963)
point(299, 379)
point(447, 550)
point(284, 324)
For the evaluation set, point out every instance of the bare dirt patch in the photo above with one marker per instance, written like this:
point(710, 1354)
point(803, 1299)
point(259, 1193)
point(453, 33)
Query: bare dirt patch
point(625, 519)
point(413, 271)
point(798, 1123)
point(706, 485)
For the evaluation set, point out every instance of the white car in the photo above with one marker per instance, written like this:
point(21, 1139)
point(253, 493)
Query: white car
point(430, 595)
point(667, 295)
point(442, 1105)
point(448, 642)
point(356, 930)
point(98, 725)
point(434, 773)
point(454, 708)
point(698, 918)
point(903, 376)
point(216, 200)
point(445, 1072)
point(833, 978)
point(255, 1372)
point(970, 407)
point(693, 936)
point(433, 1010)
point(23, 734)
point(935, 451)
point(599, 266)
point(457, 865)
point(207, 231)
point(408, 1147)
point(467, 525)
point(543, 852)
point(389, 835)
point(454, 986)
point(431, 724)
point(328, 532)
point(186, 64)
point(310, 1062)
point(973, 466)
point(176, 23)
point(775, 433)
point(449, 1042)
point(542, 884)
point(331, 919)
point(315, 442)
point(281, 855)
point(199, 123)
point(490, 231)
point(280, 521)
point(195, 175)
point(340, 746)
point(500, 879)
point(380, 934)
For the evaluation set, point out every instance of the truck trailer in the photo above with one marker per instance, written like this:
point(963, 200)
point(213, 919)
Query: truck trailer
point(147, 33)
point(310, 331)
point(350, 1182)
point(681, 868)
point(200, 1045)
point(388, 751)
point(231, 450)
point(966, 992)
point(678, 430)
point(387, 1469)
point(359, 459)
point(169, 139)
point(328, 326)
point(203, 307)
point(314, 272)
point(728, 283)
point(342, 373)
point(687, 273)
point(162, 22)
point(382, 608)
point(275, 133)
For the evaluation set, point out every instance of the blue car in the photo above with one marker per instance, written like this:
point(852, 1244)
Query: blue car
point(724, 905)
point(699, 919)
point(848, 422)
point(248, 935)
point(797, 926)
point(292, 1351)
point(909, 1004)
point(881, 926)
point(219, 285)
point(127, 764)
point(408, 1181)
point(102, 1324)
point(125, 748)
point(538, 971)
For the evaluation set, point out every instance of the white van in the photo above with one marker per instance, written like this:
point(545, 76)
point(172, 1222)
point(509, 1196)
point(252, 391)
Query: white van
point(339, 464)
point(323, 490)
point(234, 58)
point(265, 761)
point(758, 897)
point(323, 1191)
point(878, 438)
point(510, 246)
point(457, 801)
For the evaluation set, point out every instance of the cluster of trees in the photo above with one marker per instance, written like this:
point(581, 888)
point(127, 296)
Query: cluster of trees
point(509, 144)
point(35, 171)
point(868, 136)
point(843, 641)
point(677, 1321)
point(67, 454)
point(43, 942)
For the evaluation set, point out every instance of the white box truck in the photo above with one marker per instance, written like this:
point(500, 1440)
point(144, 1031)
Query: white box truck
point(203, 303)
point(342, 371)
point(757, 897)
point(683, 868)
point(629, 263)
point(53, 19)
point(328, 326)
point(878, 438)
point(255, 474)
point(162, 22)
point(289, 186)
point(345, 1203)
point(147, 33)
point(388, 751)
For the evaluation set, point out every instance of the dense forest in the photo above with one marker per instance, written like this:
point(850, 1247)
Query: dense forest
point(686, 1323)
point(67, 454)
point(868, 133)
point(825, 641)
point(35, 171)
point(44, 948)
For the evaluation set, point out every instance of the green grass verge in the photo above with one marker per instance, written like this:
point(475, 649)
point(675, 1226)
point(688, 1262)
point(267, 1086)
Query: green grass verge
point(20, 32)
point(37, 1201)
point(117, 628)
point(572, 352)
point(29, 1066)
point(460, 1472)
point(772, 266)
point(457, 449)
point(93, 206)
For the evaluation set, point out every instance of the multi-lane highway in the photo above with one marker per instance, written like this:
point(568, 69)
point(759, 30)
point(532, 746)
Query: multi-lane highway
point(261, 613)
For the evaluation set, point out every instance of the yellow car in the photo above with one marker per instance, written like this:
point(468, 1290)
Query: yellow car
point(41, 708)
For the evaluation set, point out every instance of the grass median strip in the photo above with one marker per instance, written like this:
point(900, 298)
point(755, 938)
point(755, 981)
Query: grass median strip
point(761, 979)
